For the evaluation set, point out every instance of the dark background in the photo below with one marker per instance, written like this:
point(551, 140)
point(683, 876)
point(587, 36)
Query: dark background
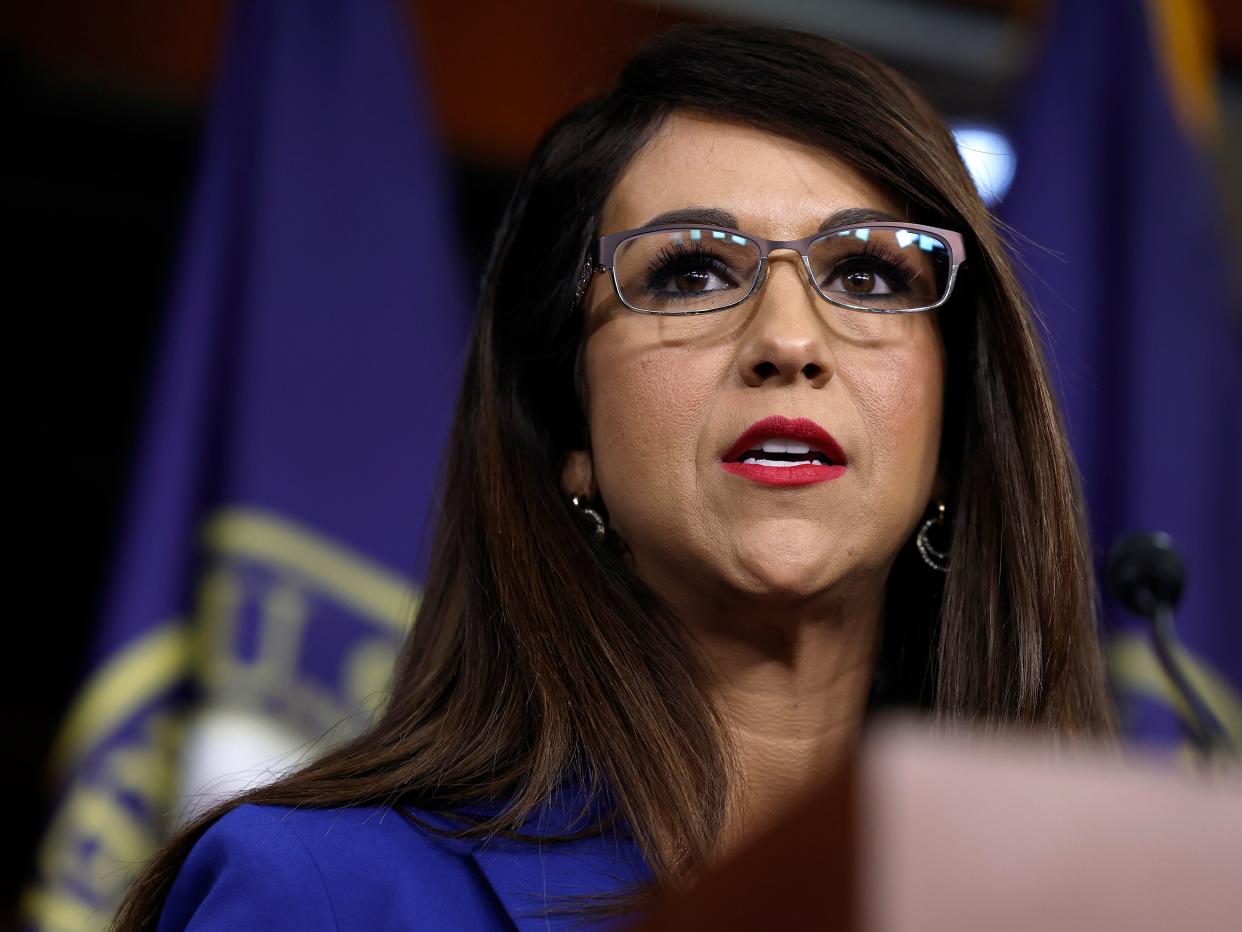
point(102, 106)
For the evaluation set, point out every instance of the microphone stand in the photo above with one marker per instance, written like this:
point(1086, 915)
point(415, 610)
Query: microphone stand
point(1147, 575)
point(1206, 732)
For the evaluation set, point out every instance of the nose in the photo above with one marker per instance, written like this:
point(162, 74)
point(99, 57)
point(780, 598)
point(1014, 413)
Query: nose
point(786, 337)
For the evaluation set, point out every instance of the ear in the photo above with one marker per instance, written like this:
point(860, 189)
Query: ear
point(940, 489)
point(578, 474)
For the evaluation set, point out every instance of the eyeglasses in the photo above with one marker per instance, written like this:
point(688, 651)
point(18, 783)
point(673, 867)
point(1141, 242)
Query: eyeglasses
point(882, 268)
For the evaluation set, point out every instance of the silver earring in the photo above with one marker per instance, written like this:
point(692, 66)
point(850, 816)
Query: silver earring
point(936, 559)
point(587, 511)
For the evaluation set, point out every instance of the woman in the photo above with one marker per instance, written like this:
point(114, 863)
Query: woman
point(755, 435)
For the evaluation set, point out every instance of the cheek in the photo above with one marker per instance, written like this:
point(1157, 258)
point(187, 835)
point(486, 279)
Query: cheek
point(899, 392)
point(903, 400)
point(647, 410)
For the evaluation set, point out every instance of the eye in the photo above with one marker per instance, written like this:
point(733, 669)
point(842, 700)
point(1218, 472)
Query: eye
point(878, 268)
point(678, 270)
point(864, 276)
point(697, 280)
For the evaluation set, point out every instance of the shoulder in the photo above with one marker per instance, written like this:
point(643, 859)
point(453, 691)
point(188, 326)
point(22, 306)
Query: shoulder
point(338, 868)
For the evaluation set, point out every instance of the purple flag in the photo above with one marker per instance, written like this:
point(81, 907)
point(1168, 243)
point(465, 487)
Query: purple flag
point(1126, 264)
point(299, 407)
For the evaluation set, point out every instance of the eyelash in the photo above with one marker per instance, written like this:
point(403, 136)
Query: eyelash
point(897, 265)
point(665, 264)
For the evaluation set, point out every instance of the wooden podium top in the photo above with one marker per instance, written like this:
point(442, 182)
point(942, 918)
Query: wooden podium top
point(930, 833)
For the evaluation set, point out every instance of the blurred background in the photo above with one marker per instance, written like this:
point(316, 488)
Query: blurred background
point(156, 155)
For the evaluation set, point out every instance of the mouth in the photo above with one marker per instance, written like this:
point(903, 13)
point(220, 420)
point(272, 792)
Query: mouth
point(784, 451)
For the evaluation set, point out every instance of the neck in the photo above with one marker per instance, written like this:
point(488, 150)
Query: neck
point(791, 682)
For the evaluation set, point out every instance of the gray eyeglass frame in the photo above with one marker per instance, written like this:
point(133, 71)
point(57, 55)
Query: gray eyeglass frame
point(604, 253)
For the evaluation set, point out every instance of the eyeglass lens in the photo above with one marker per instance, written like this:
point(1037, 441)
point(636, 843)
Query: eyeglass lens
point(692, 270)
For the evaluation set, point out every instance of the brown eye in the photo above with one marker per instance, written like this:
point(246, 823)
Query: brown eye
point(860, 282)
point(690, 274)
point(695, 281)
point(859, 277)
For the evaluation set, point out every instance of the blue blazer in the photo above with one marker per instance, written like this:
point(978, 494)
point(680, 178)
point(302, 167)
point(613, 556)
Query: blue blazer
point(368, 868)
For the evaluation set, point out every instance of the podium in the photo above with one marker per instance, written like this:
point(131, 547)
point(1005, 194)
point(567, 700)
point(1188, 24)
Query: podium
point(937, 833)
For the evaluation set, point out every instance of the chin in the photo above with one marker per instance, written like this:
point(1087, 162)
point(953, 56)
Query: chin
point(788, 572)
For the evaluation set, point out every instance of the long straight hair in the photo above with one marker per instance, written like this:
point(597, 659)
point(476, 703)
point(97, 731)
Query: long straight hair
point(538, 657)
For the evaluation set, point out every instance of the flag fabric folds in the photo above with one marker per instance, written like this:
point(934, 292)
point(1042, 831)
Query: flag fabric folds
point(1124, 256)
point(297, 414)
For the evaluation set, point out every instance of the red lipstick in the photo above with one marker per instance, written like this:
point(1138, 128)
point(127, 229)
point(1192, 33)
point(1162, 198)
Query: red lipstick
point(823, 460)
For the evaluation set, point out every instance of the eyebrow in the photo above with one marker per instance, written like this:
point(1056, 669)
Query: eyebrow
point(708, 216)
point(853, 216)
point(719, 217)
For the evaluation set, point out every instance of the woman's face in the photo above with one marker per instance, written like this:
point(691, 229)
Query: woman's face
point(669, 398)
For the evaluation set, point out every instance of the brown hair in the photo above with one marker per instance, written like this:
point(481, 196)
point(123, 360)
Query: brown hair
point(539, 657)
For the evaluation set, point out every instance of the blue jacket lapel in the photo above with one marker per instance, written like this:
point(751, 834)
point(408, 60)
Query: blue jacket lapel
point(531, 877)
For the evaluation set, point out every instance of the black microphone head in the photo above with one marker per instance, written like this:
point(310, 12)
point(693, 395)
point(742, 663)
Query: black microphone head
point(1145, 572)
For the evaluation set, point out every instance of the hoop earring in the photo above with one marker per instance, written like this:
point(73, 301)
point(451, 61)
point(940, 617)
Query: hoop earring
point(936, 559)
point(599, 530)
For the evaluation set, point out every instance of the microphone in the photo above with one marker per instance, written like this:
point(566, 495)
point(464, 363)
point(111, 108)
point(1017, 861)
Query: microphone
point(1147, 575)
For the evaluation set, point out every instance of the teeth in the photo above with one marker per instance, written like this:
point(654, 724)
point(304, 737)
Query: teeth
point(782, 445)
point(782, 463)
